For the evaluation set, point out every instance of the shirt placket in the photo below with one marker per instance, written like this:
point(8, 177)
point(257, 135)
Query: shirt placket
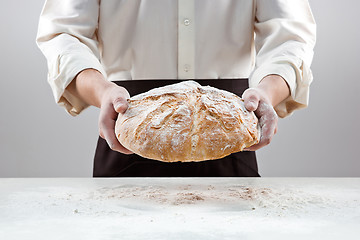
point(186, 39)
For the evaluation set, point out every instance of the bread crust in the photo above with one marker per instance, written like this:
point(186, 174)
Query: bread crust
point(186, 122)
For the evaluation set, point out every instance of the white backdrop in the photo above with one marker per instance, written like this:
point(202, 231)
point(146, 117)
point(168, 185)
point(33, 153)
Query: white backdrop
point(38, 139)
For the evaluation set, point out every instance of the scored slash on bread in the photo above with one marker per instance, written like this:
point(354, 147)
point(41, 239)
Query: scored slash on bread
point(186, 122)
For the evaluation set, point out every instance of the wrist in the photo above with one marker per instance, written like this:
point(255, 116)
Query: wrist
point(91, 86)
point(275, 88)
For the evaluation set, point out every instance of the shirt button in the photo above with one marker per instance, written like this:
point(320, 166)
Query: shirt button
point(186, 22)
point(186, 67)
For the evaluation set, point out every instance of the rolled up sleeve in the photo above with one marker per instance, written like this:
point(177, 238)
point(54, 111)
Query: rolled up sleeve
point(285, 35)
point(67, 37)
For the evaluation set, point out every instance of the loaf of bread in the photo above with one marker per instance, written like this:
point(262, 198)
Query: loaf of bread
point(186, 122)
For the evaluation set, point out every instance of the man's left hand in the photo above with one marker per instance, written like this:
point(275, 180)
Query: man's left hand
point(271, 90)
point(255, 100)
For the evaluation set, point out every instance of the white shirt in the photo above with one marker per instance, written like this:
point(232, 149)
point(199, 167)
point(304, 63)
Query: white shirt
point(184, 39)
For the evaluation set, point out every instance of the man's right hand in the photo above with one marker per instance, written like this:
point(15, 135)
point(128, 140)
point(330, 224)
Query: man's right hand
point(114, 102)
point(91, 86)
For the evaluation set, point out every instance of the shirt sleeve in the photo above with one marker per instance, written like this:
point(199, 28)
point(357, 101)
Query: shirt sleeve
point(285, 35)
point(67, 37)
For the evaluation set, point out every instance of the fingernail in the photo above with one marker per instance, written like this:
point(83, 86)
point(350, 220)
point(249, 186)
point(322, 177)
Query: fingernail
point(251, 105)
point(118, 105)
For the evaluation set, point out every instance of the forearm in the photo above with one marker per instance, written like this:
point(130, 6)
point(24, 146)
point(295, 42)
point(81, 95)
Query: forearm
point(90, 86)
point(275, 88)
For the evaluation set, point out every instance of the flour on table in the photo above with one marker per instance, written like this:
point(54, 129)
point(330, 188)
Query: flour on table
point(228, 197)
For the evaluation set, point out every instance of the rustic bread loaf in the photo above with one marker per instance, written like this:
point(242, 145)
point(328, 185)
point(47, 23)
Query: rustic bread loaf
point(186, 122)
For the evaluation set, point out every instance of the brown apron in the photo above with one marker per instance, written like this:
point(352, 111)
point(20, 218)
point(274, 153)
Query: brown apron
point(108, 163)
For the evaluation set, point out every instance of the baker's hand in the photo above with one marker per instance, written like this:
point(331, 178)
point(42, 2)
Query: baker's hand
point(91, 87)
point(256, 100)
point(113, 102)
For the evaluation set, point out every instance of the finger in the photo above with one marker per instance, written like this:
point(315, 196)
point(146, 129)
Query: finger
point(251, 99)
point(263, 142)
point(107, 120)
point(119, 99)
point(111, 139)
point(120, 105)
point(268, 129)
point(268, 124)
point(115, 145)
point(101, 133)
point(252, 148)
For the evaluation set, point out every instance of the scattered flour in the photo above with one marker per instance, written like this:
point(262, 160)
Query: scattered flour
point(188, 208)
point(232, 197)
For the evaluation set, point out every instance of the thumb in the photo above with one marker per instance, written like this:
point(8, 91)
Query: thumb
point(120, 105)
point(251, 99)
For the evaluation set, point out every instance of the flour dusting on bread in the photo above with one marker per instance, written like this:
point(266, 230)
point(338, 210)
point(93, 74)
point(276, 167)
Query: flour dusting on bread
point(186, 122)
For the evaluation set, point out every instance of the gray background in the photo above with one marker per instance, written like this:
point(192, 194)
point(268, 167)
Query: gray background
point(38, 139)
